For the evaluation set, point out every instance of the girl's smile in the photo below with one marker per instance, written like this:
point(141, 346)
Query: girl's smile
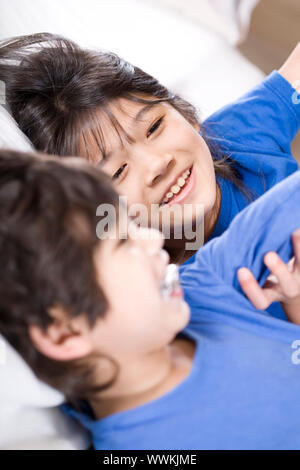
point(180, 189)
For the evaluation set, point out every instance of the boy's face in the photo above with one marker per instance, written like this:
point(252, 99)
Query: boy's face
point(139, 320)
point(152, 167)
point(130, 265)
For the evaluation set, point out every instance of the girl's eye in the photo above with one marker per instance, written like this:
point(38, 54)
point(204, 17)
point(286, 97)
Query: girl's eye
point(119, 172)
point(155, 126)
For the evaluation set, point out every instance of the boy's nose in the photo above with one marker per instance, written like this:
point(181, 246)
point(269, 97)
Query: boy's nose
point(150, 239)
point(155, 241)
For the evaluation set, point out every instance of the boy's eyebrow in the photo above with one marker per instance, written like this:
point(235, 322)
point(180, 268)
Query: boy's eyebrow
point(136, 118)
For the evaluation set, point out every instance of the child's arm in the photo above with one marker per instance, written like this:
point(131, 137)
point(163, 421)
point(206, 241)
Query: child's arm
point(265, 225)
point(267, 118)
point(291, 68)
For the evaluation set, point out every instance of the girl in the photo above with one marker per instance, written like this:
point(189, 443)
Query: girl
point(142, 371)
point(72, 101)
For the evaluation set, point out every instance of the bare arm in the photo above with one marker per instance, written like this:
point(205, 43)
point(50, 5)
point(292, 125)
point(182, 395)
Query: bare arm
point(290, 70)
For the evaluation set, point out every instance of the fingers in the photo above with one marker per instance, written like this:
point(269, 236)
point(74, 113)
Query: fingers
point(257, 296)
point(283, 284)
point(286, 280)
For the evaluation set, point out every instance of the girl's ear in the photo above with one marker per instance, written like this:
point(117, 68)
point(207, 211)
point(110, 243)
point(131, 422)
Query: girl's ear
point(65, 339)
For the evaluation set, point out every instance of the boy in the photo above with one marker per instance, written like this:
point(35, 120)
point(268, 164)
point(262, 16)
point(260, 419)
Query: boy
point(89, 317)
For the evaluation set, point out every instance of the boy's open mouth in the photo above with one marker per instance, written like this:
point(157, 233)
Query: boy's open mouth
point(170, 284)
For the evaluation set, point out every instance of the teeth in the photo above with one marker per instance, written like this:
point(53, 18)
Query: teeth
point(171, 281)
point(181, 182)
point(175, 189)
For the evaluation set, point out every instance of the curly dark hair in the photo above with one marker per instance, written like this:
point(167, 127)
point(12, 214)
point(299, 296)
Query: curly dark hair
point(47, 242)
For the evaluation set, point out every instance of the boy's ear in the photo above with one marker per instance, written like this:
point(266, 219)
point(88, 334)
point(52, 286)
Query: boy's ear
point(64, 340)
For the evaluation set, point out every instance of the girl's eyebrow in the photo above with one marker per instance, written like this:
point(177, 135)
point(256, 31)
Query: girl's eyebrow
point(137, 117)
point(143, 111)
point(105, 157)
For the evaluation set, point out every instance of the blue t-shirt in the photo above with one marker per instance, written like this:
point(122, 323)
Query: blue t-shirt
point(256, 132)
point(244, 386)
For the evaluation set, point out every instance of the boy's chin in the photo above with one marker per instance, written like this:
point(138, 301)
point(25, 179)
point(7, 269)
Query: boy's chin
point(180, 314)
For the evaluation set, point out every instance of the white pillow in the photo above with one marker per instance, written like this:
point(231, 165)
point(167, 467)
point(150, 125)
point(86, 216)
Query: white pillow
point(29, 417)
point(10, 135)
point(192, 59)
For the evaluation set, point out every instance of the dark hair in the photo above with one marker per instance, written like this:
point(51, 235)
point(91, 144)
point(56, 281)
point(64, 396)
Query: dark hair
point(47, 242)
point(55, 89)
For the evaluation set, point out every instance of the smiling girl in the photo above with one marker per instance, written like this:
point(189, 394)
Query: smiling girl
point(73, 101)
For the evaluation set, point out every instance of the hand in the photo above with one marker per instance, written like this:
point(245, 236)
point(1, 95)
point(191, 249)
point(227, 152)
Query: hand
point(283, 285)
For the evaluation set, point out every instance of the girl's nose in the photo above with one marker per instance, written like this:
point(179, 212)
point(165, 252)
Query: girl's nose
point(156, 166)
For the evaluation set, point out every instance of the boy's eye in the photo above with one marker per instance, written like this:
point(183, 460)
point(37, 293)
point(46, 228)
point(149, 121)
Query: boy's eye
point(154, 127)
point(119, 172)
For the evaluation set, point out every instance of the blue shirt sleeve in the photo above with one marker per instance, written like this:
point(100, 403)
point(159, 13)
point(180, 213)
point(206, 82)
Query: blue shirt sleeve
point(265, 225)
point(267, 117)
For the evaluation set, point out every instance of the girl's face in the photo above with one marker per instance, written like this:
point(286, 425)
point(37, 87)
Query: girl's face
point(165, 161)
point(139, 320)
